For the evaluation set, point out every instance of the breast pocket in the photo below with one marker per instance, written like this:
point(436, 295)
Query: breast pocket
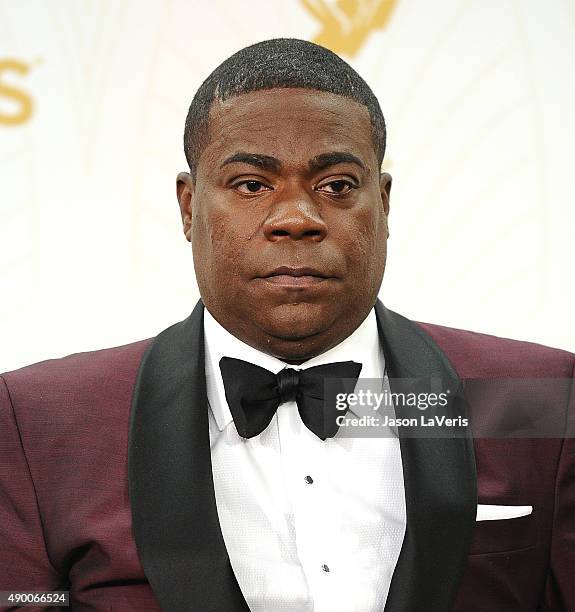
point(502, 528)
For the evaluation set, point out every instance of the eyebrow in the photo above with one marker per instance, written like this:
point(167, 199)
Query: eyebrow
point(253, 159)
point(325, 160)
point(272, 164)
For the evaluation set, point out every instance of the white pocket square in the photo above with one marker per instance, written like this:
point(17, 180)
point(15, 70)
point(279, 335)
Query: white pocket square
point(491, 512)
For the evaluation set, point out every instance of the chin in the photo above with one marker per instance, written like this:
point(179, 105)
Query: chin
point(298, 321)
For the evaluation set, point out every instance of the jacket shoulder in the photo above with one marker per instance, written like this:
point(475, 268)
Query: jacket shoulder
point(109, 367)
point(479, 355)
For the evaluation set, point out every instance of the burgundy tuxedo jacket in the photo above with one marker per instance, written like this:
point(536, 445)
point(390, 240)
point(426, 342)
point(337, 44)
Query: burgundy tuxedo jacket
point(106, 486)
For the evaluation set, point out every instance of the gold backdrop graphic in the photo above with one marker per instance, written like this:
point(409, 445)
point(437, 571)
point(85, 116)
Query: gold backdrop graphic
point(20, 99)
point(346, 24)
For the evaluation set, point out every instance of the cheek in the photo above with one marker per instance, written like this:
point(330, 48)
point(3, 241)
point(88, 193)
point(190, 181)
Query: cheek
point(368, 247)
point(216, 246)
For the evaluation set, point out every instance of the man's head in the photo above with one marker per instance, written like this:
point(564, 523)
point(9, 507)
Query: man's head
point(285, 143)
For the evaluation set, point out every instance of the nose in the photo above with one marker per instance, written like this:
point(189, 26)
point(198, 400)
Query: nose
point(295, 216)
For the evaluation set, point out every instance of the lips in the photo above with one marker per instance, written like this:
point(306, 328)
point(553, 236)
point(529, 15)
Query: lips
point(296, 272)
point(296, 278)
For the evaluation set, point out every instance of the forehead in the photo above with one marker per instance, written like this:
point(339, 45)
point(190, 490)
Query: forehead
point(292, 125)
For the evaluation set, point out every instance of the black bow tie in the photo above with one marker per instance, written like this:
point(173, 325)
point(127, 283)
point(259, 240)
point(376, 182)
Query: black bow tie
point(254, 394)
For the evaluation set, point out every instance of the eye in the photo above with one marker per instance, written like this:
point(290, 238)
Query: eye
point(251, 187)
point(338, 187)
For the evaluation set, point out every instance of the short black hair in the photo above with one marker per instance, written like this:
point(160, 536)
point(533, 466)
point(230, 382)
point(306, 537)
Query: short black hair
point(278, 63)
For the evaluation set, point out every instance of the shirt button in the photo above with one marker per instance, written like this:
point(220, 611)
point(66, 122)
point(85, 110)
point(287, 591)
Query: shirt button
point(308, 479)
point(325, 568)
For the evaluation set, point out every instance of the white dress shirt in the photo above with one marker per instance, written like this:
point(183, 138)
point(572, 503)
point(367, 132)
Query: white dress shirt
point(309, 525)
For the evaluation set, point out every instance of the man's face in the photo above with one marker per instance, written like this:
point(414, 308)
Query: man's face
point(288, 219)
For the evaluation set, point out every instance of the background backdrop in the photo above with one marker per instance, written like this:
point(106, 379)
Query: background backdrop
point(479, 99)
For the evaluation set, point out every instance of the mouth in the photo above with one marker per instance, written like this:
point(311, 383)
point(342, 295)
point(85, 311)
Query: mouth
point(301, 277)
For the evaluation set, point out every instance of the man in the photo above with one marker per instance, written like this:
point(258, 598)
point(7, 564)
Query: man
point(195, 472)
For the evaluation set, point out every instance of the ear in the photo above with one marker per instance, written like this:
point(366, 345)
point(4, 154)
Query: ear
point(385, 189)
point(185, 191)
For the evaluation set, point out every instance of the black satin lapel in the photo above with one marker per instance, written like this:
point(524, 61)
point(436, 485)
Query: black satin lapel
point(174, 514)
point(440, 482)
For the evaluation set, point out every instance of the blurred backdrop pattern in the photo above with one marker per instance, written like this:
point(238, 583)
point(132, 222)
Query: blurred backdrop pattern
point(479, 99)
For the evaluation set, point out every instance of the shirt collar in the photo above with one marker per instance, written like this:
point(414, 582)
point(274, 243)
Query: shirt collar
point(362, 346)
